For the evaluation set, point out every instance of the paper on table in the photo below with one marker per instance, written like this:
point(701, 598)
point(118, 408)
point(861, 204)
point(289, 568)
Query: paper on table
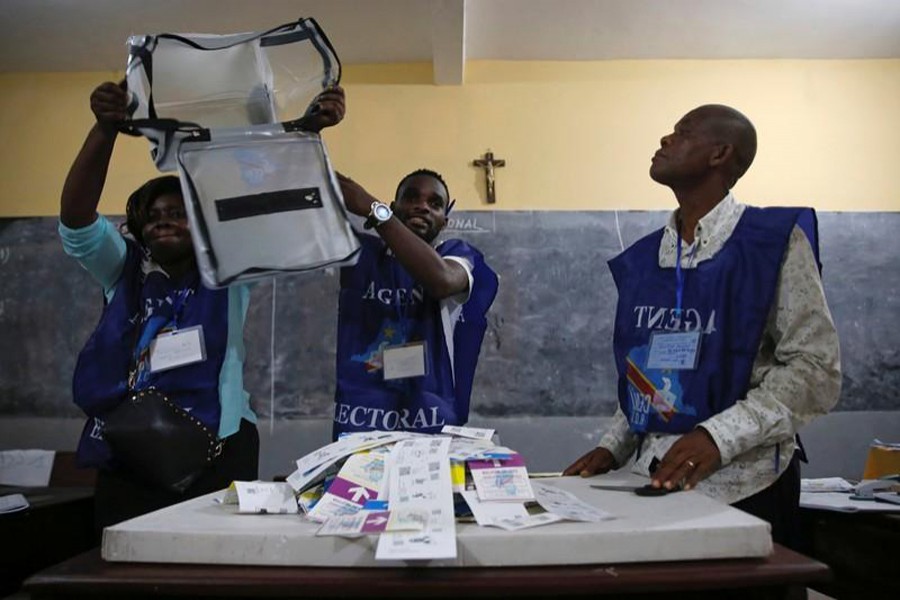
point(12, 503)
point(567, 505)
point(360, 479)
point(502, 480)
point(420, 481)
point(466, 448)
point(826, 484)
point(475, 433)
point(367, 522)
point(486, 513)
point(265, 497)
point(516, 523)
point(27, 468)
point(841, 502)
point(315, 463)
point(347, 445)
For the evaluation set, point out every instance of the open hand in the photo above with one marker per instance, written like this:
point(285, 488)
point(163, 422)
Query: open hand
point(595, 462)
point(691, 459)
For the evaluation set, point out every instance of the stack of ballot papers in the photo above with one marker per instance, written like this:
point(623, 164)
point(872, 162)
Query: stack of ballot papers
point(408, 489)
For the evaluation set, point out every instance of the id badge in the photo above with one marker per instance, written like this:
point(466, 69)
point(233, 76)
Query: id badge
point(404, 361)
point(677, 351)
point(177, 348)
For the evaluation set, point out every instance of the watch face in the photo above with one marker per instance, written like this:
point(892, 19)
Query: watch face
point(382, 212)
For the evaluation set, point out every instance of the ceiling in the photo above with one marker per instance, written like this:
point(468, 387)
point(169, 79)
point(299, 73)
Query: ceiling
point(89, 35)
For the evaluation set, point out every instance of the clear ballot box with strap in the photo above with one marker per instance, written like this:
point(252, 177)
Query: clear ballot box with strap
point(260, 193)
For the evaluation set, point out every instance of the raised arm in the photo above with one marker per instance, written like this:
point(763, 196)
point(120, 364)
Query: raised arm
point(87, 175)
point(440, 277)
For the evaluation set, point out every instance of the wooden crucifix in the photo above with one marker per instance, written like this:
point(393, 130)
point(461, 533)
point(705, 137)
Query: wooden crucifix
point(488, 163)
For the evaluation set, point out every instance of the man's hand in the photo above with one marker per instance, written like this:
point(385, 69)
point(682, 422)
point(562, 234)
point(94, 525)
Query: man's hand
point(692, 458)
point(356, 198)
point(109, 103)
point(326, 110)
point(598, 460)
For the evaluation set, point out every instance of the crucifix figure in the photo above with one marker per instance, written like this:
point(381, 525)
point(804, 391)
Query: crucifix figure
point(488, 163)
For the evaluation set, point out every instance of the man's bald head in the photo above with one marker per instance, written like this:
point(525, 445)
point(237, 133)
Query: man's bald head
point(729, 126)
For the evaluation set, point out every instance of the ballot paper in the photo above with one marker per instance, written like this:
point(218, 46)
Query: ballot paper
point(567, 505)
point(843, 502)
point(516, 523)
point(265, 497)
point(26, 468)
point(501, 480)
point(826, 484)
point(12, 503)
point(475, 433)
point(470, 449)
point(317, 462)
point(419, 480)
point(367, 522)
point(486, 513)
point(360, 479)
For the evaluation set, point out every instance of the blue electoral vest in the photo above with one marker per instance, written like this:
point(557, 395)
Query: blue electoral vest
point(380, 306)
point(727, 298)
point(102, 371)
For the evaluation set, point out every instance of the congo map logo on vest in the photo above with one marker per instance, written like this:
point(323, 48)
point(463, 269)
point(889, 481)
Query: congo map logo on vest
point(391, 333)
point(660, 389)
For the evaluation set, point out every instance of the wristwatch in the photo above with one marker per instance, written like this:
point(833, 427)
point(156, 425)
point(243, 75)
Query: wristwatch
point(379, 213)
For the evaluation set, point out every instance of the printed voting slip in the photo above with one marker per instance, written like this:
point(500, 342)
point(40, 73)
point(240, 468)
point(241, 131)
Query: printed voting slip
point(517, 523)
point(486, 513)
point(359, 480)
point(475, 433)
point(368, 522)
point(462, 449)
point(567, 505)
point(26, 468)
point(501, 480)
point(826, 484)
point(311, 466)
point(419, 480)
point(265, 497)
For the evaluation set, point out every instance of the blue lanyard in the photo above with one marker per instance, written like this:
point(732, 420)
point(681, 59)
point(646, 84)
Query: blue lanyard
point(179, 303)
point(679, 274)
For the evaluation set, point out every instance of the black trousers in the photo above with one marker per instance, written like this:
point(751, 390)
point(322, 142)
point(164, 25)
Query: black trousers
point(121, 495)
point(779, 504)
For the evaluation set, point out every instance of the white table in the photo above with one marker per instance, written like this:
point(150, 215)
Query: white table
point(679, 526)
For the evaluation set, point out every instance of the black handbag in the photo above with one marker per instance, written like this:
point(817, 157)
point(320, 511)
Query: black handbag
point(160, 441)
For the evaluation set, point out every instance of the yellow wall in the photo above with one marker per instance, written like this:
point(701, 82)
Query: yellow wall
point(574, 135)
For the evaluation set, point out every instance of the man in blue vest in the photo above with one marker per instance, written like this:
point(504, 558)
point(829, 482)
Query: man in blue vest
point(411, 315)
point(723, 341)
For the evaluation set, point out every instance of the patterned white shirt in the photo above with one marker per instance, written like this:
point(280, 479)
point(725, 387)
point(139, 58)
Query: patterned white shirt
point(796, 375)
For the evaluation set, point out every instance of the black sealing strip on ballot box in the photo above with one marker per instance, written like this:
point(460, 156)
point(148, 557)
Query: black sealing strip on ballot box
point(242, 207)
point(284, 38)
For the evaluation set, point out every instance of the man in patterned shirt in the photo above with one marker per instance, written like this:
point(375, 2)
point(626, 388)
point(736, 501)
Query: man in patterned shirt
point(723, 341)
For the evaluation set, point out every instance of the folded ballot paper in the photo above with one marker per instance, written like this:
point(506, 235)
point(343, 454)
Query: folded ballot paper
point(409, 488)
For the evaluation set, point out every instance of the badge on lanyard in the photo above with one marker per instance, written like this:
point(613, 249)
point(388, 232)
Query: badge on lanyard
point(177, 348)
point(674, 350)
point(404, 361)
